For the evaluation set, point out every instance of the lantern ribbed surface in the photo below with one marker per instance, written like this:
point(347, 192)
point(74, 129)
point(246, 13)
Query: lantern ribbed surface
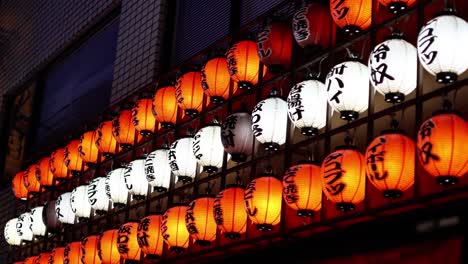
point(200, 221)
point(165, 106)
point(353, 16)
point(143, 118)
point(123, 129)
point(107, 247)
point(127, 241)
point(89, 248)
point(57, 164)
point(229, 212)
point(173, 229)
point(18, 186)
point(87, 148)
point(150, 237)
point(105, 141)
point(189, 93)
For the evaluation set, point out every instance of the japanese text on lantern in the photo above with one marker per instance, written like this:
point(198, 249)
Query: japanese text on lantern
point(196, 147)
point(295, 101)
point(376, 156)
point(135, 120)
point(218, 210)
point(143, 232)
point(300, 25)
point(149, 168)
point(127, 173)
point(231, 61)
point(337, 70)
point(426, 39)
point(257, 130)
point(249, 191)
point(263, 37)
point(227, 134)
point(379, 73)
point(92, 191)
point(172, 157)
point(340, 10)
point(333, 173)
point(190, 219)
point(426, 150)
point(123, 238)
point(290, 188)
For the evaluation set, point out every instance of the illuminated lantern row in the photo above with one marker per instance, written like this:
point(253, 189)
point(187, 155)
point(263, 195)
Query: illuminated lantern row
point(89, 250)
point(105, 141)
point(116, 187)
point(63, 209)
point(87, 148)
point(236, 135)
point(30, 180)
point(23, 227)
point(135, 179)
point(181, 160)
point(57, 164)
point(229, 212)
point(200, 221)
point(165, 106)
point(44, 176)
point(312, 26)
point(79, 202)
point(10, 233)
point(72, 157)
point(244, 64)
point(173, 228)
point(215, 80)
point(396, 6)
point(142, 116)
point(97, 196)
point(19, 188)
point(37, 225)
point(208, 148)
point(123, 129)
point(274, 44)
point(127, 241)
point(352, 16)
point(107, 247)
point(158, 170)
point(189, 93)
point(150, 237)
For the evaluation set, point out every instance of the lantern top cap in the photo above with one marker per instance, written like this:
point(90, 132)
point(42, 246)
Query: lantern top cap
point(212, 124)
point(447, 111)
point(234, 185)
point(396, 34)
point(266, 174)
point(204, 195)
point(302, 162)
point(346, 147)
point(178, 204)
point(131, 220)
point(447, 11)
point(154, 214)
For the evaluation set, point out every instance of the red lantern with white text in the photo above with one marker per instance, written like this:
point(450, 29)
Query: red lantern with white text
point(200, 221)
point(229, 211)
point(150, 237)
point(173, 228)
point(274, 45)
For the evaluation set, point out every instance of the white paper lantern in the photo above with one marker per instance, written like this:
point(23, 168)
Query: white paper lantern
point(157, 169)
point(269, 122)
point(116, 188)
point(10, 233)
point(347, 87)
point(79, 202)
point(181, 160)
point(393, 69)
point(307, 106)
point(442, 46)
point(63, 209)
point(38, 226)
point(237, 136)
point(135, 179)
point(24, 227)
point(208, 148)
point(97, 196)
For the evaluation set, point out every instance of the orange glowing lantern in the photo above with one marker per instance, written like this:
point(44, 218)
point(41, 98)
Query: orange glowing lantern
point(302, 188)
point(72, 253)
point(58, 255)
point(244, 64)
point(274, 44)
point(87, 148)
point(215, 79)
point(105, 141)
point(43, 258)
point(107, 247)
point(150, 237)
point(263, 198)
point(19, 188)
point(441, 148)
point(57, 164)
point(165, 106)
point(173, 228)
point(123, 129)
point(200, 221)
point(142, 116)
point(89, 250)
point(30, 180)
point(312, 26)
point(45, 176)
point(344, 177)
point(30, 260)
point(396, 6)
point(72, 157)
point(390, 163)
point(229, 211)
point(189, 93)
point(351, 15)
point(127, 241)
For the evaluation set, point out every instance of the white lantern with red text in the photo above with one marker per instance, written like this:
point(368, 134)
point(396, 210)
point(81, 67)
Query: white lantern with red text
point(97, 196)
point(63, 209)
point(135, 179)
point(38, 226)
point(24, 227)
point(237, 136)
point(11, 235)
point(183, 163)
point(208, 148)
point(116, 189)
point(157, 169)
point(79, 202)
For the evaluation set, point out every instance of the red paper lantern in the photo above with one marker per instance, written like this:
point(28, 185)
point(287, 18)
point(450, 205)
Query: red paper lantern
point(45, 176)
point(263, 198)
point(390, 163)
point(57, 164)
point(57, 256)
point(150, 237)
point(72, 253)
point(123, 129)
point(173, 228)
point(396, 6)
point(200, 221)
point(107, 247)
point(344, 177)
point(215, 80)
point(229, 212)
point(87, 147)
point(30, 179)
point(312, 26)
point(189, 93)
point(441, 147)
point(142, 116)
point(89, 249)
point(72, 157)
point(351, 15)
point(43, 258)
point(302, 188)
point(165, 106)
point(274, 44)
point(105, 140)
point(19, 188)
point(127, 241)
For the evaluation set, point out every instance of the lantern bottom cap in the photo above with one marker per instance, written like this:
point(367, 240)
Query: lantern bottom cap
point(352, 29)
point(446, 77)
point(245, 85)
point(108, 154)
point(232, 235)
point(276, 68)
point(185, 179)
point(74, 173)
point(393, 98)
point(349, 115)
point(309, 131)
point(83, 219)
point(153, 256)
point(217, 99)
point(271, 146)
point(392, 194)
point(238, 157)
point(191, 112)
point(397, 6)
point(101, 212)
point(167, 125)
point(264, 227)
point(91, 164)
point(305, 213)
point(345, 207)
point(139, 197)
point(447, 180)
point(160, 189)
point(146, 133)
point(210, 169)
point(177, 250)
point(125, 146)
point(203, 243)
point(120, 205)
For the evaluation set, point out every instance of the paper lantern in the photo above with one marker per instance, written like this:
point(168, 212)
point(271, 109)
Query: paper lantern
point(72, 253)
point(142, 116)
point(19, 188)
point(87, 148)
point(135, 179)
point(307, 106)
point(215, 80)
point(150, 237)
point(10, 233)
point(24, 227)
point(312, 26)
point(229, 211)
point(302, 188)
point(208, 148)
point(352, 16)
point(269, 122)
point(274, 43)
point(43, 258)
point(57, 256)
point(63, 209)
point(105, 140)
point(157, 169)
point(30, 260)
point(57, 165)
point(397, 6)
point(180, 158)
point(348, 89)
point(165, 106)
point(244, 64)
point(441, 149)
point(30, 180)
point(173, 228)
point(189, 93)
point(107, 247)
point(50, 217)
point(89, 250)
point(237, 136)
point(441, 47)
point(72, 157)
point(200, 221)
point(45, 176)
point(37, 222)
point(97, 196)
point(127, 241)
point(79, 202)
point(263, 198)
point(123, 129)
point(344, 177)
point(116, 188)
